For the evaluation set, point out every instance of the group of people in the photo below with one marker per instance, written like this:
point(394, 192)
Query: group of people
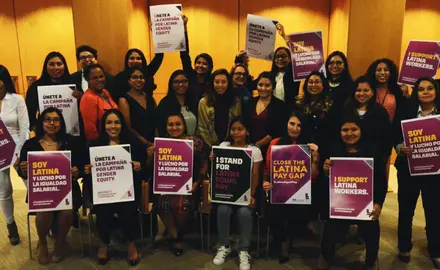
point(335, 116)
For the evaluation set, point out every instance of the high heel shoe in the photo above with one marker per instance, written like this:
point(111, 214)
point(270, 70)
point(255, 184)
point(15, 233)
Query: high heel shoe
point(177, 251)
point(436, 263)
point(404, 258)
point(133, 262)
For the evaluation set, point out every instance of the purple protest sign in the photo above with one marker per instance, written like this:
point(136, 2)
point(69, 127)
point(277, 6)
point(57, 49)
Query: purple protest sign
point(307, 54)
point(173, 166)
point(422, 59)
point(7, 148)
point(423, 136)
point(50, 181)
point(290, 172)
point(351, 188)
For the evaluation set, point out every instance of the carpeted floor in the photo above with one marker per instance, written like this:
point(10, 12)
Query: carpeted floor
point(304, 255)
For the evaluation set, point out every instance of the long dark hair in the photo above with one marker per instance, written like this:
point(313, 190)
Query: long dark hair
point(302, 138)
point(149, 85)
point(39, 131)
point(242, 121)
point(125, 137)
point(345, 75)
point(415, 103)
point(267, 75)
point(5, 77)
point(171, 94)
point(212, 94)
point(180, 115)
point(393, 87)
point(274, 68)
point(325, 86)
point(144, 60)
point(45, 77)
point(208, 59)
point(352, 104)
point(356, 120)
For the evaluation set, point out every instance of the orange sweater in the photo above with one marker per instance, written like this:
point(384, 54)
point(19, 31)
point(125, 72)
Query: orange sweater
point(92, 108)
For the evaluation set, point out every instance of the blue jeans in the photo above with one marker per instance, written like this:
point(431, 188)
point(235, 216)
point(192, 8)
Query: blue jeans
point(244, 216)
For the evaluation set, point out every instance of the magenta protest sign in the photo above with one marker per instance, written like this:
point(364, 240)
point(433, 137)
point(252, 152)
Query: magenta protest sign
point(307, 54)
point(173, 166)
point(50, 181)
point(422, 59)
point(351, 188)
point(7, 148)
point(423, 136)
point(290, 171)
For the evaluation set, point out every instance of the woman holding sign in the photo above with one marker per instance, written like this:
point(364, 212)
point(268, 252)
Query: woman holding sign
point(200, 74)
point(15, 118)
point(136, 58)
point(95, 102)
point(238, 137)
point(174, 210)
point(217, 109)
point(55, 72)
point(425, 101)
point(138, 105)
point(115, 132)
point(352, 145)
point(51, 136)
point(178, 100)
point(282, 218)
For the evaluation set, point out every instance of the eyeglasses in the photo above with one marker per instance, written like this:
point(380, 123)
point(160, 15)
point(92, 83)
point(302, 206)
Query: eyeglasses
point(281, 56)
point(180, 81)
point(238, 74)
point(136, 78)
point(332, 63)
point(50, 120)
point(87, 57)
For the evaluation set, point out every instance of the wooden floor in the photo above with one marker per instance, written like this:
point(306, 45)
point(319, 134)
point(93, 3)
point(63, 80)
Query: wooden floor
point(304, 256)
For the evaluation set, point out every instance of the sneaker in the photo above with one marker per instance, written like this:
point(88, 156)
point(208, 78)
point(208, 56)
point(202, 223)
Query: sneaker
point(244, 260)
point(221, 255)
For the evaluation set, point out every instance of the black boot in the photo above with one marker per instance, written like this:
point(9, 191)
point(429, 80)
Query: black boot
point(13, 236)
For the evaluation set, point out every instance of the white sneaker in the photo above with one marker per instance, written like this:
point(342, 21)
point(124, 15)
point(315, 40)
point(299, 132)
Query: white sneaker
point(221, 255)
point(245, 260)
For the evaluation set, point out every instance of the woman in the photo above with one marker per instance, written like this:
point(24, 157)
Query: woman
point(55, 72)
point(339, 78)
point(174, 210)
point(178, 100)
point(318, 109)
point(14, 115)
point(95, 102)
point(200, 74)
point(138, 105)
point(51, 136)
point(217, 109)
point(240, 75)
point(136, 58)
point(425, 101)
point(383, 72)
point(353, 146)
point(115, 132)
point(282, 218)
point(373, 117)
point(266, 113)
point(238, 137)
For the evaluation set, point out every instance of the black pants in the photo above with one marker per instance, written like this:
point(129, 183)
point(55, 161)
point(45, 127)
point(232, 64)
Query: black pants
point(334, 229)
point(410, 188)
point(127, 215)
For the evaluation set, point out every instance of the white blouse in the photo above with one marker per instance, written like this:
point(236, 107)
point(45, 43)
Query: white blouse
point(15, 116)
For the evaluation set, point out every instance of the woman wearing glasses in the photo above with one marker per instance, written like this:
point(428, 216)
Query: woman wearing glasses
point(95, 101)
point(339, 78)
point(138, 105)
point(178, 100)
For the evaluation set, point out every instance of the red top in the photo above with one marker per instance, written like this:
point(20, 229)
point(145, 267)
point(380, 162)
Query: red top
point(268, 160)
point(92, 108)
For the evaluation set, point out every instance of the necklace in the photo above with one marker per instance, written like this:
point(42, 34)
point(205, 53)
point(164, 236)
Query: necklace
point(48, 144)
